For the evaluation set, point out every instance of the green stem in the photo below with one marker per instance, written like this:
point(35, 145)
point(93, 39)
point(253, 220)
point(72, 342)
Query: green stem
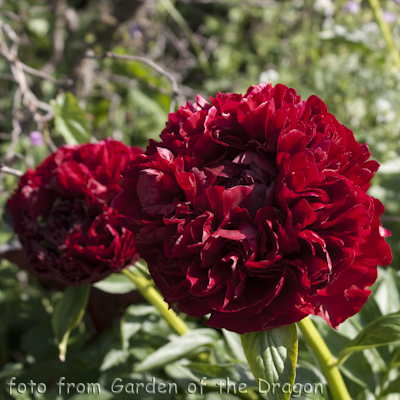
point(386, 31)
point(148, 291)
point(325, 359)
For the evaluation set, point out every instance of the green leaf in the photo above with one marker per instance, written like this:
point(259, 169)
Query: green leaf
point(115, 284)
point(113, 358)
point(380, 332)
point(235, 344)
point(39, 349)
point(18, 396)
point(272, 356)
point(394, 387)
point(307, 373)
point(68, 314)
point(237, 373)
point(181, 374)
point(151, 116)
point(222, 396)
point(177, 348)
point(133, 320)
point(388, 292)
point(103, 395)
point(11, 369)
point(216, 377)
point(70, 120)
point(369, 313)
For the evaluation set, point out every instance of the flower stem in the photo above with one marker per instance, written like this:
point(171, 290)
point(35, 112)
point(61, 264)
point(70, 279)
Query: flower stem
point(325, 359)
point(149, 292)
point(376, 7)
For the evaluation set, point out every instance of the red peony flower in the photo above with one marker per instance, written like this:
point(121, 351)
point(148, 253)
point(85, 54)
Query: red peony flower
point(62, 214)
point(254, 209)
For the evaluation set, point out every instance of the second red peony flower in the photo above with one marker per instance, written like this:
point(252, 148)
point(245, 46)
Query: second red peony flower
point(62, 214)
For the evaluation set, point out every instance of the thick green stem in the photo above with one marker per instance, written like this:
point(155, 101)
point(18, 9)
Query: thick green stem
point(376, 7)
point(325, 359)
point(148, 291)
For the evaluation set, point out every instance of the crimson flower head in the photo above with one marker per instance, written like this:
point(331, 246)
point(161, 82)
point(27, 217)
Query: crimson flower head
point(62, 214)
point(253, 209)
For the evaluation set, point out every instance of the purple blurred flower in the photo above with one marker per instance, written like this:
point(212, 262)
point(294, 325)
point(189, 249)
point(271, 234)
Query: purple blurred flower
point(135, 31)
point(389, 17)
point(36, 139)
point(352, 7)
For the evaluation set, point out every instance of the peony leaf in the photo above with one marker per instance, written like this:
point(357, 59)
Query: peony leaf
point(226, 374)
point(113, 358)
point(135, 316)
point(380, 332)
point(272, 356)
point(222, 396)
point(235, 344)
point(70, 120)
point(115, 284)
point(11, 369)
point(94, 394)
point(68, 314)
point(393, 387)
point(177, 348)
point(387, 294)
point(307, 373)
point(214, 378)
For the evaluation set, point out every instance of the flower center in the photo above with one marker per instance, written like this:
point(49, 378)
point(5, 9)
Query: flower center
point(246, 169)
point(65, 217)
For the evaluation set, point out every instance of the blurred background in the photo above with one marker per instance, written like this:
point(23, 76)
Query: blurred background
point(339, 50)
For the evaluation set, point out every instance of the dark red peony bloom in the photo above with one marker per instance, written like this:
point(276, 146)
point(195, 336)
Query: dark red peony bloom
point(62, 214)
point(254, 209)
